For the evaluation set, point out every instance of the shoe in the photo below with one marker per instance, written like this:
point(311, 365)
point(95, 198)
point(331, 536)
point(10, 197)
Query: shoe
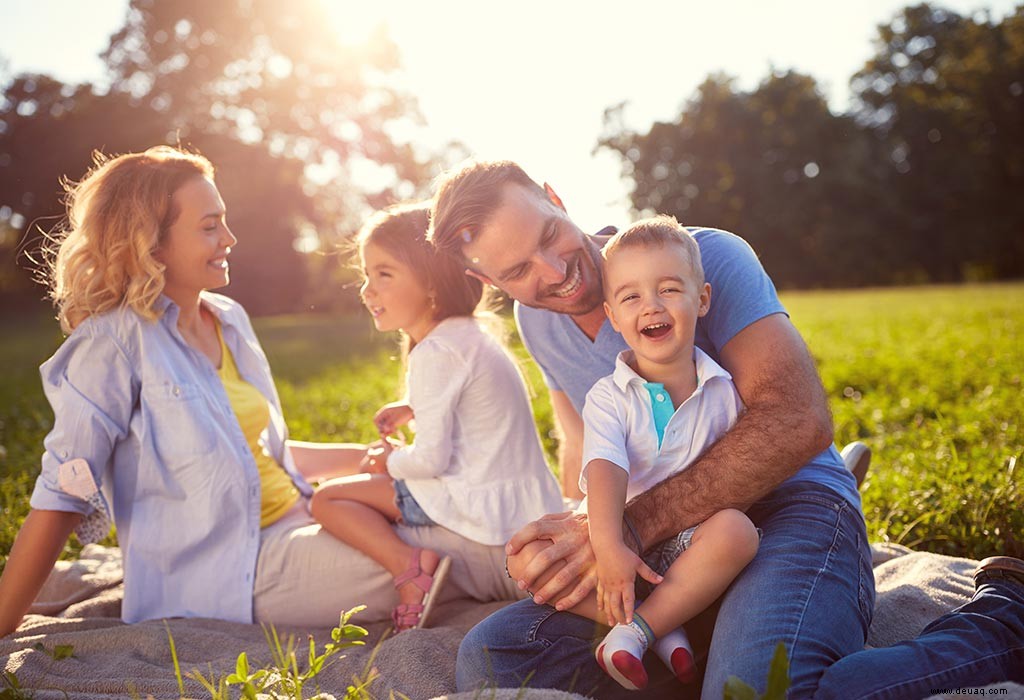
point(407, 616)
point(621, 655)
point(1007, 568)
point(627, 670)
point(857, 458)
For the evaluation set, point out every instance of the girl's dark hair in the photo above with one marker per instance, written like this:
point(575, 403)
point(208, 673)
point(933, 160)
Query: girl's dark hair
point(401, 230)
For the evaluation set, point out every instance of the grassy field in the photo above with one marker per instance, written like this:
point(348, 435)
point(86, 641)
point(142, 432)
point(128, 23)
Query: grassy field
point(929, 377)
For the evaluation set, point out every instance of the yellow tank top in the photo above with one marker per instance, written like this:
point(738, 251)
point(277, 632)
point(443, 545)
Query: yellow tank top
point(253, 414)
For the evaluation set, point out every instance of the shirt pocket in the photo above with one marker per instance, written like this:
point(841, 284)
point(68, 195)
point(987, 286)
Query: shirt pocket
point(181, 425)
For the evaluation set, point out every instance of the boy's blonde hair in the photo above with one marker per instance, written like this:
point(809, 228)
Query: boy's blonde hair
point(657, 231)
point(117, 217)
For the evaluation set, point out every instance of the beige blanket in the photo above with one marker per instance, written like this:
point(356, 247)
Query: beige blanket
point(80, 605)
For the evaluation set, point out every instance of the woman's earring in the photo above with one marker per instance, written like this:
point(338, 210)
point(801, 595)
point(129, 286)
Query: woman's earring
point(433, 302)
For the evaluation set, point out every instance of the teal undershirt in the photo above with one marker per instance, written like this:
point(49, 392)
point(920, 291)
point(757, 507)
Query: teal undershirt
point(661, 406)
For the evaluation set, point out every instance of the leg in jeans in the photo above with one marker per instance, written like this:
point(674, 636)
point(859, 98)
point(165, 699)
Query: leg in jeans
point(532, 645)
point(979, 643)
point(810, 587)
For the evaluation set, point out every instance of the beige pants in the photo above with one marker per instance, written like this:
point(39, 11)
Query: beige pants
point(306, 577)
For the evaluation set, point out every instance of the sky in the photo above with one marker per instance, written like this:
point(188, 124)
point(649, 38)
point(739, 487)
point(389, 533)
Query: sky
point(530, 80)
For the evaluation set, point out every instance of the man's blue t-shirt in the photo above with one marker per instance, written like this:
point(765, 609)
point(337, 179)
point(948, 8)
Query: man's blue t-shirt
point(741, 293)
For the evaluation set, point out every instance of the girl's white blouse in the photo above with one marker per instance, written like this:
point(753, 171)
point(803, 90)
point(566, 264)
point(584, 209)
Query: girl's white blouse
point(476, 465)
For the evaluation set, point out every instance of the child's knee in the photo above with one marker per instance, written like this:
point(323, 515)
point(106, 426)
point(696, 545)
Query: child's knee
point(317, 503)
point(734, 529)
point(516, 563)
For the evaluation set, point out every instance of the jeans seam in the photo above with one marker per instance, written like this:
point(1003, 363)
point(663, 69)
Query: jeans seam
point(866, 605)
point(839, 508)
point(532, 636)
point(937, 677)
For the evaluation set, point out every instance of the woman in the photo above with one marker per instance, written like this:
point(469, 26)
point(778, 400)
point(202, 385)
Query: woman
point(168, 423)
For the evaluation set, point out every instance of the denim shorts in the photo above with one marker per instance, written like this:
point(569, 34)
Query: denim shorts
point(408, 508)
point(660, 557)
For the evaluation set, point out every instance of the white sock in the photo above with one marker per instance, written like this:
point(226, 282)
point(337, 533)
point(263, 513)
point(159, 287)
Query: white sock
point(633, 639)
point(675, 651)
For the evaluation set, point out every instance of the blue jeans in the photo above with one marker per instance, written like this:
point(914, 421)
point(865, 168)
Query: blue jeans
point(810, 587)
point(409, 509)
point(979, 643)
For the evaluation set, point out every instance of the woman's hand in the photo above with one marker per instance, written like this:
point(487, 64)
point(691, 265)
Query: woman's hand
point(391, 417)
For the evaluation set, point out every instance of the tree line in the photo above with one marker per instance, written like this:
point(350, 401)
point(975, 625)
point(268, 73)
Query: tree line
point(920, 181)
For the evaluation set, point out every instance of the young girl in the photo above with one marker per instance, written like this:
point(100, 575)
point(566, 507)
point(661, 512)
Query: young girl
point(476, 465)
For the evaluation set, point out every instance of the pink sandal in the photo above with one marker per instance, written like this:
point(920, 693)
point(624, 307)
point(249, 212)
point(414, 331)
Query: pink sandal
point(407, 616)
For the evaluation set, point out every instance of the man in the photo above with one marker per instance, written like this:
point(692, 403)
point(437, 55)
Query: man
point(810, 586)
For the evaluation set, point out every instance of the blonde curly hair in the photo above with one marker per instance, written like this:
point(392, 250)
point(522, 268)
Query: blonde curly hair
point(117, 217)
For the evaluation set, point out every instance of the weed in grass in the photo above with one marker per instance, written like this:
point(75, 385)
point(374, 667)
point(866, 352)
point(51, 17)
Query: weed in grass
point(775, 687)
point(58, 652)
point(14, 691)
point(284, 676)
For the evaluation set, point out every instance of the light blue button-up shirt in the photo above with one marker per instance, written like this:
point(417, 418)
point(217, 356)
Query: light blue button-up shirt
point(150, 416)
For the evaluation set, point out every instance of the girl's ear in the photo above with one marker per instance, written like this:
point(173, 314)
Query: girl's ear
point(483, 278)
point(553, 196)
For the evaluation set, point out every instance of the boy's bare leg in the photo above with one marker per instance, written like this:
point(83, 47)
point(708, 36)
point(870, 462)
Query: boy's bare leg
point(722, 546)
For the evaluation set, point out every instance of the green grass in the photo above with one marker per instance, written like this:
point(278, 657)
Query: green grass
point(929, 377)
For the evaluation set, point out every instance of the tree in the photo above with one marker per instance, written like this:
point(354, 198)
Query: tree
point(774, 165)
point(298, 124)
point(945, 94)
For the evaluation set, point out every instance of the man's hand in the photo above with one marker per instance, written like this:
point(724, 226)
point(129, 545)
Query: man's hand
point(617, 567)
point(570, 549)
point(391, 417)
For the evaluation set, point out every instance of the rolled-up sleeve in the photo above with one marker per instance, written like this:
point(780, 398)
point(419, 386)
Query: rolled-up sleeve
point(436, 379)
point(604, 432)
point(91, 387)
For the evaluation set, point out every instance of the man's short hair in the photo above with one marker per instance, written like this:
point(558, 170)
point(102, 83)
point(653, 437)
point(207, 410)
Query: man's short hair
point(657, 231)
point(466, 198)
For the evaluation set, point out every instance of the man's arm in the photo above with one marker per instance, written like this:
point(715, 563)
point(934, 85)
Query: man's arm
point(570, 443)
point(786, 422)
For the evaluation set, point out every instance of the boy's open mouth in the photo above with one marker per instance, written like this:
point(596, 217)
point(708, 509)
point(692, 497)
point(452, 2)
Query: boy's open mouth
point(656, 330)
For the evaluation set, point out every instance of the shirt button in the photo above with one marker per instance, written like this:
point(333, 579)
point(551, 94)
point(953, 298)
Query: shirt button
point(660, 397)
point(177, 391)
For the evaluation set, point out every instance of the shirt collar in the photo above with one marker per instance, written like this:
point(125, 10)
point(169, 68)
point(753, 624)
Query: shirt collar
point(707, 369)
point(214, 303)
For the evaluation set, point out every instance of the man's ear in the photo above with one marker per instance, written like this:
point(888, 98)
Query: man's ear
point(553, 196)
point(483, 278)
point(611, 317)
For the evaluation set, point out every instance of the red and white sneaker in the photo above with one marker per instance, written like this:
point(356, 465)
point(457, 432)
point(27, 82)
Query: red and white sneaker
point(621, 654)
point(675, 651)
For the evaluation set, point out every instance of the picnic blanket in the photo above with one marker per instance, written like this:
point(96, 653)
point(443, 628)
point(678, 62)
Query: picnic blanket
point(79, 607)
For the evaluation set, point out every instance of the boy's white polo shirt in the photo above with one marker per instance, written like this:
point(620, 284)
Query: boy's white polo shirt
point(618, 423)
